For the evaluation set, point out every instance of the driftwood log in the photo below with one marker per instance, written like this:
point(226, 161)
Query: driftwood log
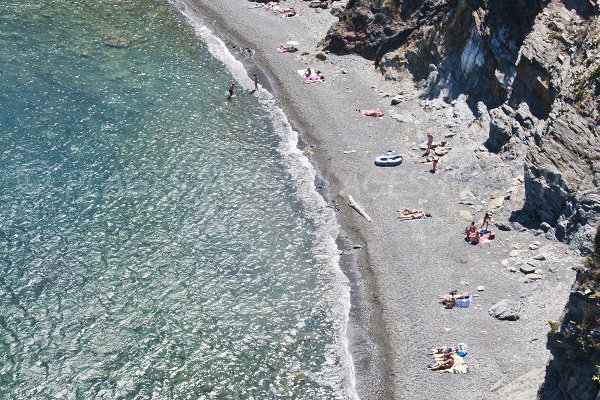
point(358, 208)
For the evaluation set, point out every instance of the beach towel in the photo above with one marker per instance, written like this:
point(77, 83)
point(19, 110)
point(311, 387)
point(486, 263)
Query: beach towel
point(459, 366)
point(486, 237)
point(463, 303)
point(312, 78)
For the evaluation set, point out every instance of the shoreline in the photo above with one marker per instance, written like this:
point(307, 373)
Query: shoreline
point(363, 309)
point(399, 268)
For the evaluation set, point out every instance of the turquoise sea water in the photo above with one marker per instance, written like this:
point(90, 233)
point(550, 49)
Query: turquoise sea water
point(157, 241)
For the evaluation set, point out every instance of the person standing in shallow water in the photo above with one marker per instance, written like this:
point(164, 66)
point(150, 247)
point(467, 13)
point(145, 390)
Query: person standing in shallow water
point(255, 79)
point(231, 89)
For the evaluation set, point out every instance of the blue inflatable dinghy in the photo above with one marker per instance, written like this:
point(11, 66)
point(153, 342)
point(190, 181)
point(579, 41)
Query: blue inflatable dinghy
point(388, 160)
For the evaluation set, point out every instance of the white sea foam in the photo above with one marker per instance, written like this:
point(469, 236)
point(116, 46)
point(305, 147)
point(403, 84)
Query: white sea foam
point(303, 175)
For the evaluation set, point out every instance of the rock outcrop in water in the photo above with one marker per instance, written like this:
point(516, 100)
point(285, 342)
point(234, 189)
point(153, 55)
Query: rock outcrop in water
point(535, 64)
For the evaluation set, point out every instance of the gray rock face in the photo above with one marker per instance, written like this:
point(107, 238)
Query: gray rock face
point(569, 373)
point(506, 310)
point(533, 63)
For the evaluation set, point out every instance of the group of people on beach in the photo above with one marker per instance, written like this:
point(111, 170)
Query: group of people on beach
point(449, 359)
point(312, 77)
point(472, 234)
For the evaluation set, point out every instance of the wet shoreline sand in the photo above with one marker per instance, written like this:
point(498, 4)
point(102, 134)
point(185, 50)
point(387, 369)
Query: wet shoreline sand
point(398, 268)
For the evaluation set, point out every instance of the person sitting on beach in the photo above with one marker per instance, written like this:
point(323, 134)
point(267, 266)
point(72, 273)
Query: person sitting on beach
point(487, 218)
point(307, 73)
point(472, 234)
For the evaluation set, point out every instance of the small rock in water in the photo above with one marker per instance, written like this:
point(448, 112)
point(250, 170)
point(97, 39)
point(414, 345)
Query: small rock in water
point(51, 134)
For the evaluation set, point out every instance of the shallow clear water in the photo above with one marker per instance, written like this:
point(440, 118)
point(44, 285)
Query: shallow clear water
point(156, 240)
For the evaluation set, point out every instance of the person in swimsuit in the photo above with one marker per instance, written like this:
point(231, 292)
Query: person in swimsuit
point(487, 218)
point(429, 142)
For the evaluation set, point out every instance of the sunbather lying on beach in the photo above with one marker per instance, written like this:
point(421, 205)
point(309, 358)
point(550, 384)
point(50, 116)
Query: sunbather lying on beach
point(453, 295)
point(286, 12)
point(408, 214)
point(449, 300)
point(441, 350)
point(313, 77)
point(461, 349)
point(372, 112)
point(286, 49)
point(445, 363)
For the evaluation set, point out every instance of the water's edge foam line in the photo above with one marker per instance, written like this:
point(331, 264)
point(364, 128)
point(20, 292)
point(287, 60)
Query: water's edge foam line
point(303, 174)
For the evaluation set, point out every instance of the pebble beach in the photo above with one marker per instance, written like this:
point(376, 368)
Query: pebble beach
point(398, 268)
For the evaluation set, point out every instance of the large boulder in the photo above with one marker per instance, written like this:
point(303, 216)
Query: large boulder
point(506, 310)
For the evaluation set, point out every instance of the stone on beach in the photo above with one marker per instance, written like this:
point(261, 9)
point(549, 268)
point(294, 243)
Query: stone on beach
point(506, 310)
point(527, 269)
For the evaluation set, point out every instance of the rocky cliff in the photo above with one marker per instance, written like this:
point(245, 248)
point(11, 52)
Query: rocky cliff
point(534, 64)
point(574, 371)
